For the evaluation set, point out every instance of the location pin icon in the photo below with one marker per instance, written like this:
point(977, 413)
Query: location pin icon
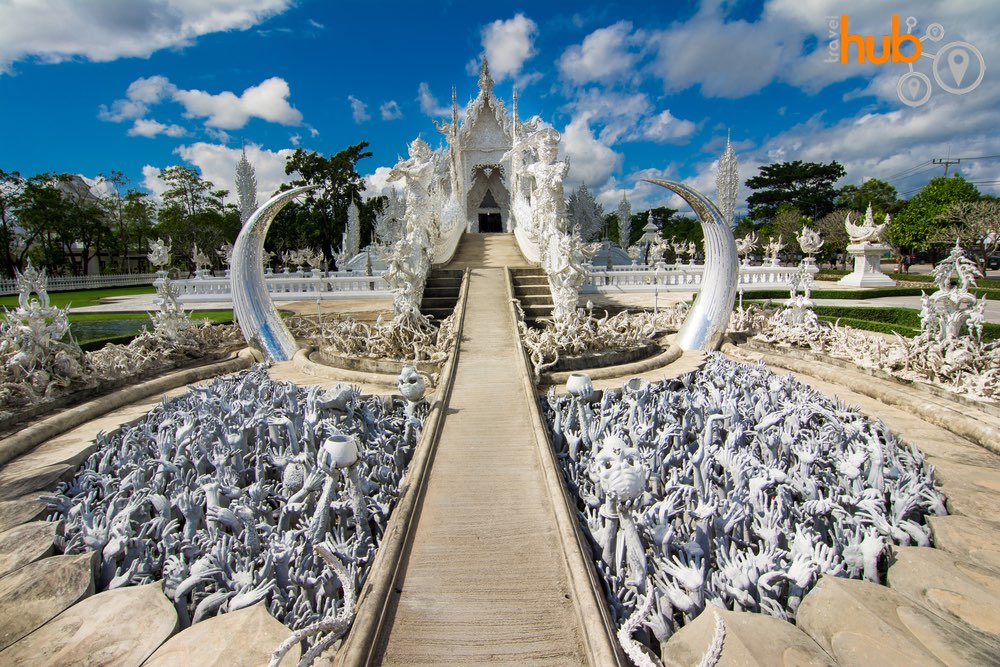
point(958, 63)
point(914, 86)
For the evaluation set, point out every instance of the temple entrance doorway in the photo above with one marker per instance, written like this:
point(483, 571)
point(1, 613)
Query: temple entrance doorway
point(488, 200)
point(490, 223)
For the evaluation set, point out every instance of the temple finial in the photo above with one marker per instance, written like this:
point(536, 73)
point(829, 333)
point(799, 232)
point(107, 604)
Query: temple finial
point(485, 80)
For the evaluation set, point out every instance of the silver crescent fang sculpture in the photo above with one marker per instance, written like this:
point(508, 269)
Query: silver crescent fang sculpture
point(707, 320)
point(252, 306)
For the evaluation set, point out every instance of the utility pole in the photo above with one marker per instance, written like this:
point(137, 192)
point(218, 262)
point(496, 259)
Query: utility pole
point(946, 162)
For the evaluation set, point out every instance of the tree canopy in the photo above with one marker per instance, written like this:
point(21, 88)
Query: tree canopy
point(318, 220)
point(917, 223)
point(881, 195)
point(808, 186)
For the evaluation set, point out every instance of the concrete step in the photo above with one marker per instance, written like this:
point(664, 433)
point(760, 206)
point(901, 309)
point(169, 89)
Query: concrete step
point(534, 300)
point(532, 290)
point(487, 250)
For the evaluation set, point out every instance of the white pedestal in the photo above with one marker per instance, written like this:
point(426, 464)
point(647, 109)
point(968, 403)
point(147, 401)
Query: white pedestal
point(867, 267)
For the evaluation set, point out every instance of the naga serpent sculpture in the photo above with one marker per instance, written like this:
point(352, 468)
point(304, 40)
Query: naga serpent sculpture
point(252, 306)
point(708, 319)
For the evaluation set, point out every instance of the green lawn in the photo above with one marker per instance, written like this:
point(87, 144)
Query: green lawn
point(81, 298)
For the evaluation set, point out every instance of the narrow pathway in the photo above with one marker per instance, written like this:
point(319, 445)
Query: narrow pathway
point(486, 580)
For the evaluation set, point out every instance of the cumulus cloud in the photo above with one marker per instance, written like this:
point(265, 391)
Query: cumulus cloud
point(621, 117)
point(605, 54)
point(665, 128)
point(217, 163)
point(147, 127)
point(390, 110)
point(359, 110)
point(429, 103)
point(508, 45)
point(268, 100)
point(591, 161)
point(223, 111)
point(378, 183)
point(53, 31)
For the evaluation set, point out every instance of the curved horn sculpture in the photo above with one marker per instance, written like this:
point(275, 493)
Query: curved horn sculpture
point(252, 306)
point(708, 319)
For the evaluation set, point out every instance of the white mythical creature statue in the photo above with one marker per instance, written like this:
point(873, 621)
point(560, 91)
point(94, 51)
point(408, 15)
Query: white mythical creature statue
point(563, 254)
point(746, 245)
point(810, 241)
point(772, 248)
point(170, 320)
point(159, 253)
point(199, 258)
point(36, 362)
point(409, 261)
point(867, 231)
point(225, 253)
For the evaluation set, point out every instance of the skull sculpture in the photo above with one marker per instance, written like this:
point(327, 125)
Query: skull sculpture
point(617, 467)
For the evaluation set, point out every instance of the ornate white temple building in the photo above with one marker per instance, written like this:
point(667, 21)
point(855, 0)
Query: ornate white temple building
point(479, 147)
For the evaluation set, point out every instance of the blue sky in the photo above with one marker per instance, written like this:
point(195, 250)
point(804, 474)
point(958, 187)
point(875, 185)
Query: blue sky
point(638, 89)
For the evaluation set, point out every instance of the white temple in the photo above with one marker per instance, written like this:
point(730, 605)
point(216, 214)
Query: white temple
point(479, 148)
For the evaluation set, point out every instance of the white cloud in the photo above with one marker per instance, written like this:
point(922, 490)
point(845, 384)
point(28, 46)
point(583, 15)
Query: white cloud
point(378, 183)
point(268, 100)
point(147, 127)
point(217, 163)
point(224, 111)
point(629, 117)
point(359, 110)
point(140, 94)
point(726, 59)
point(429, 103)
point(390, 110)
point(604, 55)
point(52, 31)
point(591, 161)
point(665, 128)
point(508, 44)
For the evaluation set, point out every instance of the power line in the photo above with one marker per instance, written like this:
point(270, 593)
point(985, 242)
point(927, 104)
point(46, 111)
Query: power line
point(906, 171)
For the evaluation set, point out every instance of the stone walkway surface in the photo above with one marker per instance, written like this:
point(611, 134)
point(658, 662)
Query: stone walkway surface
point(486, 582)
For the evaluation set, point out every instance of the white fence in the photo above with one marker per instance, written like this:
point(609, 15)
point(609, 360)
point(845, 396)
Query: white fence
point(288, 286)
point(683, 278)
point(303, 285)
point(65, 283)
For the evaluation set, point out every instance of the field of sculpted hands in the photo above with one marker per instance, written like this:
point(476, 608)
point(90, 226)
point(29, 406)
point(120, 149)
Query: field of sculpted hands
point(731, 486)
point(245, 490)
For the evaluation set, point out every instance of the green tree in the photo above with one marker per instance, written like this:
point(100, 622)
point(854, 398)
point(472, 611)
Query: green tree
point(917, 223)
point(976, 225)
point(807, 186)
point(12, 244)
point(881, 195)
point(319, 218)
point(831, 229)
point(787, 223)
point(194, 212)
point(129, 215)
point(63, 223)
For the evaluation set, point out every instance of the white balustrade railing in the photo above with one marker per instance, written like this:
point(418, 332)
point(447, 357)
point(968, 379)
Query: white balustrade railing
point(66, 283)
point(683, 278)
point(288, 286)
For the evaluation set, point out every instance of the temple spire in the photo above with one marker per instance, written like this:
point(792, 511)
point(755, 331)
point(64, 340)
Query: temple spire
point(454, 110)
point(485, 80)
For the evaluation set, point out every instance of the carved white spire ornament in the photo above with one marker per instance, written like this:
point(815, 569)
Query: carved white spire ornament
point(727, 183)
point(246, 187)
